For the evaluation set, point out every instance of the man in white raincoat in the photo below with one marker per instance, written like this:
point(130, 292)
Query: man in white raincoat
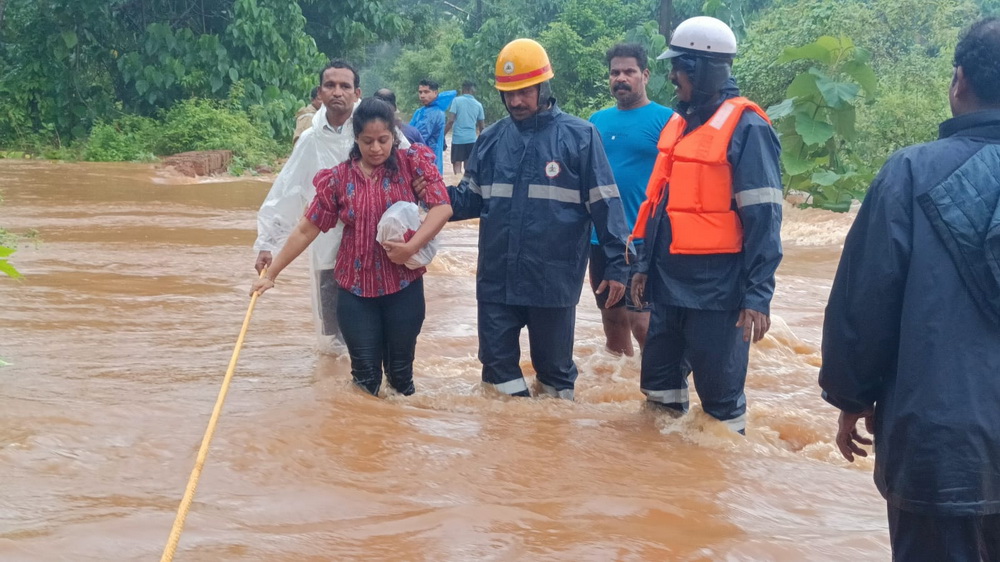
point(324, 145)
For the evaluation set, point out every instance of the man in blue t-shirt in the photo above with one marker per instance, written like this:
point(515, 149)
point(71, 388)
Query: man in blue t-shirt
point(467, 117)
point(630, 131)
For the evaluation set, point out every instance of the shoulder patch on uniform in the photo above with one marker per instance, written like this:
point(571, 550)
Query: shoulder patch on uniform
point(552, 169)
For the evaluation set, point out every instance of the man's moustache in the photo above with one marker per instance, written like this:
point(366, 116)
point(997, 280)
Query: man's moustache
point(625, 87)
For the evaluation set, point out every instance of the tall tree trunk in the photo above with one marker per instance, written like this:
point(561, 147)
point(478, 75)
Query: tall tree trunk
point(666, 18)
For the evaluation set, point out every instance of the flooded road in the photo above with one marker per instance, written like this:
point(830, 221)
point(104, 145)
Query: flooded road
point(119, 335)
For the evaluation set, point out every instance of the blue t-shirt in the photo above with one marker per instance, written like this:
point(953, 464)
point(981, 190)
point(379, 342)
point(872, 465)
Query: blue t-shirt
point(630, 139)
point(468, 111)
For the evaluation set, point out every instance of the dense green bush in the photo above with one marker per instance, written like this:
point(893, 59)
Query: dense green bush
point(127, 139)
point(199, 124)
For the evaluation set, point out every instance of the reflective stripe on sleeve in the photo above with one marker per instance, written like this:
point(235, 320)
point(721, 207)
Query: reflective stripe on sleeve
point(512, 387)
point(474, 187)
point(498, 190)
point(603, 192)
point(536, 191)
point(759, 196)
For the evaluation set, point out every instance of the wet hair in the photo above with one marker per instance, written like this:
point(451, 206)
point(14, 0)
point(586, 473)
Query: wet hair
point(978, 53)
point(337, 63)
point(314, 93)
point(468, 86)
point(629, 50)
point(430, 84)
point(374, 109)
point(386, 95)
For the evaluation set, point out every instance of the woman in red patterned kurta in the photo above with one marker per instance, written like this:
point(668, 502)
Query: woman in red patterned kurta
point(380, 307)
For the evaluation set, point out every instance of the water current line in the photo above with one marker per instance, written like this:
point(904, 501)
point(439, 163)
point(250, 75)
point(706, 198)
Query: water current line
point(182, 511)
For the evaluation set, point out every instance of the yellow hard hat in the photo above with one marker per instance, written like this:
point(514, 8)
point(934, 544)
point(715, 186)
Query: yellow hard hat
point(522, 63)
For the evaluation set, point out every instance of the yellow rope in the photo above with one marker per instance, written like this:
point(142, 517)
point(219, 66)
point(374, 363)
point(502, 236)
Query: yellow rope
point(175, 533)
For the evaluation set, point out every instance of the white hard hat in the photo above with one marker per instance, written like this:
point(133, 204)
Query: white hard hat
point(701, 36)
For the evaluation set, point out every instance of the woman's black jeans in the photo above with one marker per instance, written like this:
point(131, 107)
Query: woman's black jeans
point(381, 330)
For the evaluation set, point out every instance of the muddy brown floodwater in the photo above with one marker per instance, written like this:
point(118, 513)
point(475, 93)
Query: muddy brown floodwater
point(121, 330)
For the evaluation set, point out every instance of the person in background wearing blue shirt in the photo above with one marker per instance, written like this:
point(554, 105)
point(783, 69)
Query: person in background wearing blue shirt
point(429, 119)
point(468, 119)
point(630, 131)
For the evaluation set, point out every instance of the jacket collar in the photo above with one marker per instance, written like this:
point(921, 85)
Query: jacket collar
point(984, 124)
point(696, 116)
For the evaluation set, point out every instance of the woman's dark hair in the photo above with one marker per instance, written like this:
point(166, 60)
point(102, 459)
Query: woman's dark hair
point(374, 109)
point(978, 53)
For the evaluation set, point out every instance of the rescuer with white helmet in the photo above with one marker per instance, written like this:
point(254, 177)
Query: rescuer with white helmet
point(711, 224)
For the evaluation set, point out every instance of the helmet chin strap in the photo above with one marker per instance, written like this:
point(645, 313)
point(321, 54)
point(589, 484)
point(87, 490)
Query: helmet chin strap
point(708, 76)
point(545, 98)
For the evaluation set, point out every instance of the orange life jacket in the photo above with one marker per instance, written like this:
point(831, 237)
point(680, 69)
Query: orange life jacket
point(696, 167)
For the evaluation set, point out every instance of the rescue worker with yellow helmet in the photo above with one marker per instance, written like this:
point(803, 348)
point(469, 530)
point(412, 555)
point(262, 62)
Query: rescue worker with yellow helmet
point(537, 180)
point(711, 224)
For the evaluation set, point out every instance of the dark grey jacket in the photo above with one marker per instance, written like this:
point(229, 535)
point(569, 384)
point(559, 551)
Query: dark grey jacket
point(536, 186)
point(913, 321)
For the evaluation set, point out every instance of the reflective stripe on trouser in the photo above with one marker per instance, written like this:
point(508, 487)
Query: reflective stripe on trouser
point(707, 343)
point(550, 335)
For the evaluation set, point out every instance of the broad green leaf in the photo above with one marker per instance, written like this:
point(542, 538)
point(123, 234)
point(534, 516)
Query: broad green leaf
point(70, 38)
point(803, 86)
point(812, 51)
point(795, 165)
point(844, 122)
point(811, 130)
point(5, 251)
point(831, 44)
point(216, 83)
point(271, 93)
point(862, 74)
point(780, 110)
point(825, 178)
point(837, 94)
point(234, 75)
point(141, 86)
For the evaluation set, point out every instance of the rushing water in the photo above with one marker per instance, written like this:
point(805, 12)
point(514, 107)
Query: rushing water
point(121, 330)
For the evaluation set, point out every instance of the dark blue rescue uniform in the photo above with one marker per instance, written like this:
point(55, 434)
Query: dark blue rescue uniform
point(537, 186)
point(697, 299)
point(913, 328)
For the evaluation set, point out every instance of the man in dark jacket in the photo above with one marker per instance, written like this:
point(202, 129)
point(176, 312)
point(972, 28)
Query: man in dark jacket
point(537, 180)
point(712, 230)
point(911, 340)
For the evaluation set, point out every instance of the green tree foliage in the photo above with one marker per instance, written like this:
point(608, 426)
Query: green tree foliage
point(817, 122)
point(659, 88)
